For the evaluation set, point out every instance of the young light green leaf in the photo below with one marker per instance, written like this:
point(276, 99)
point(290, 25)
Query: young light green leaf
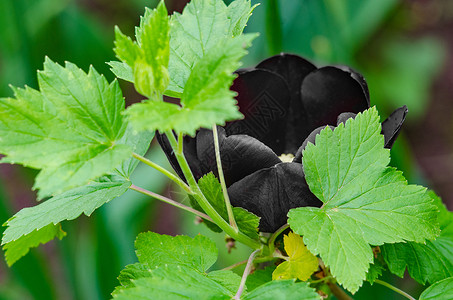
point(239, 12)
point(211, 188)
point(202, 25)
point(70, 129)
point(121, 70)
point(428, 262)
point(20, 247)
point(66, 206)
point(365, 202)
point(207, 98)
point(154, 249)
point(174, 283)
point(301, 263)
point(442, 290)
point(374, 271)
point(283, 290)
point(148, 57)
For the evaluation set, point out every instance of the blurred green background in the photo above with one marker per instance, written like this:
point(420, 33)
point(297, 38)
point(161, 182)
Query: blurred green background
point(402, 47)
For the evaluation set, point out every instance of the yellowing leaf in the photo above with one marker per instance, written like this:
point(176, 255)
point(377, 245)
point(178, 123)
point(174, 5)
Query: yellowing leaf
point(301, 263)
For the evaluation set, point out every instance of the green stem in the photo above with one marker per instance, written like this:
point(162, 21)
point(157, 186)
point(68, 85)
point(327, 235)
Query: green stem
point(271, 242)
point(204, 203)
point(222, 178)
point(180, 144)
point(394, 288)
point(246, 274)
point(164, 171)
point(170, 201)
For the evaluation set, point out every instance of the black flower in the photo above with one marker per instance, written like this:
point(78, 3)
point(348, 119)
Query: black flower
point(286, 101)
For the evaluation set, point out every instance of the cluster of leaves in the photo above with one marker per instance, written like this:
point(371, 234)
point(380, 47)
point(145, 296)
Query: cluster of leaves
point(177, 268)
point(76, 130)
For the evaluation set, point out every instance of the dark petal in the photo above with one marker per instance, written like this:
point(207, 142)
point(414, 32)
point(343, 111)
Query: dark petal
point(360, 79)
point(241, 155)
point(263, 98)
point(190, 152)
point(294, 69)
point(310, 139)
point(392, 125)
point(328, 92)
point(343, 117)
point(270, 193)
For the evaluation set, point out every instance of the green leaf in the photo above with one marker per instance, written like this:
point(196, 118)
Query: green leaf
point(155, 250)
point(259, 277)
point(239, 12)
point(428, 262)
point(203, 25)
point(131, 273)
point(365, 202)
point(374, 271)
point(174, 282)
point(148, 57)
point(301, 264)
point(70, 129)
point(442, 290)
point(207, 98)
point(283, 290)
point(20, 247)
point(121, 70)
point(211, 188)
point(227, 279)
point(66, 206)
point(139, 143)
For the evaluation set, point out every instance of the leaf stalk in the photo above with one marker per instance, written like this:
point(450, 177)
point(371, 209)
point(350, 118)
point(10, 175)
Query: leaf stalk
point(164, 171)
point(222, 178)
point(394, 288)
point(170, 201)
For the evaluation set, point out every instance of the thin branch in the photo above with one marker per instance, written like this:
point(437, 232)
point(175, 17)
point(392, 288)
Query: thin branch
point(248, 267)
point(170, 201)
point(222, 178)
point(164, 171)
point(394, 288)
point(238, 264)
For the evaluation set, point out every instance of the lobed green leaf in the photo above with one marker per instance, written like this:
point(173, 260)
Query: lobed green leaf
point(66, 206)
point(283, 290)
point(148, 56)
point(70, 129)
point(365, 202)
point(207, 98)
point(202, 25)
point(16, 249)
point(428, 262)
point(155, 250)
point(442, 290)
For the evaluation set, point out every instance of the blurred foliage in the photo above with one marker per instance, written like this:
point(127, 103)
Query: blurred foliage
point(373, 36)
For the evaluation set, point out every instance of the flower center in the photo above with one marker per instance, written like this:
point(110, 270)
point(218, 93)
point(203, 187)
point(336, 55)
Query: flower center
point(286, 158)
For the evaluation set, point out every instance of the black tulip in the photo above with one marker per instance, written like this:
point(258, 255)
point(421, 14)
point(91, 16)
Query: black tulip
point(285, 101)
